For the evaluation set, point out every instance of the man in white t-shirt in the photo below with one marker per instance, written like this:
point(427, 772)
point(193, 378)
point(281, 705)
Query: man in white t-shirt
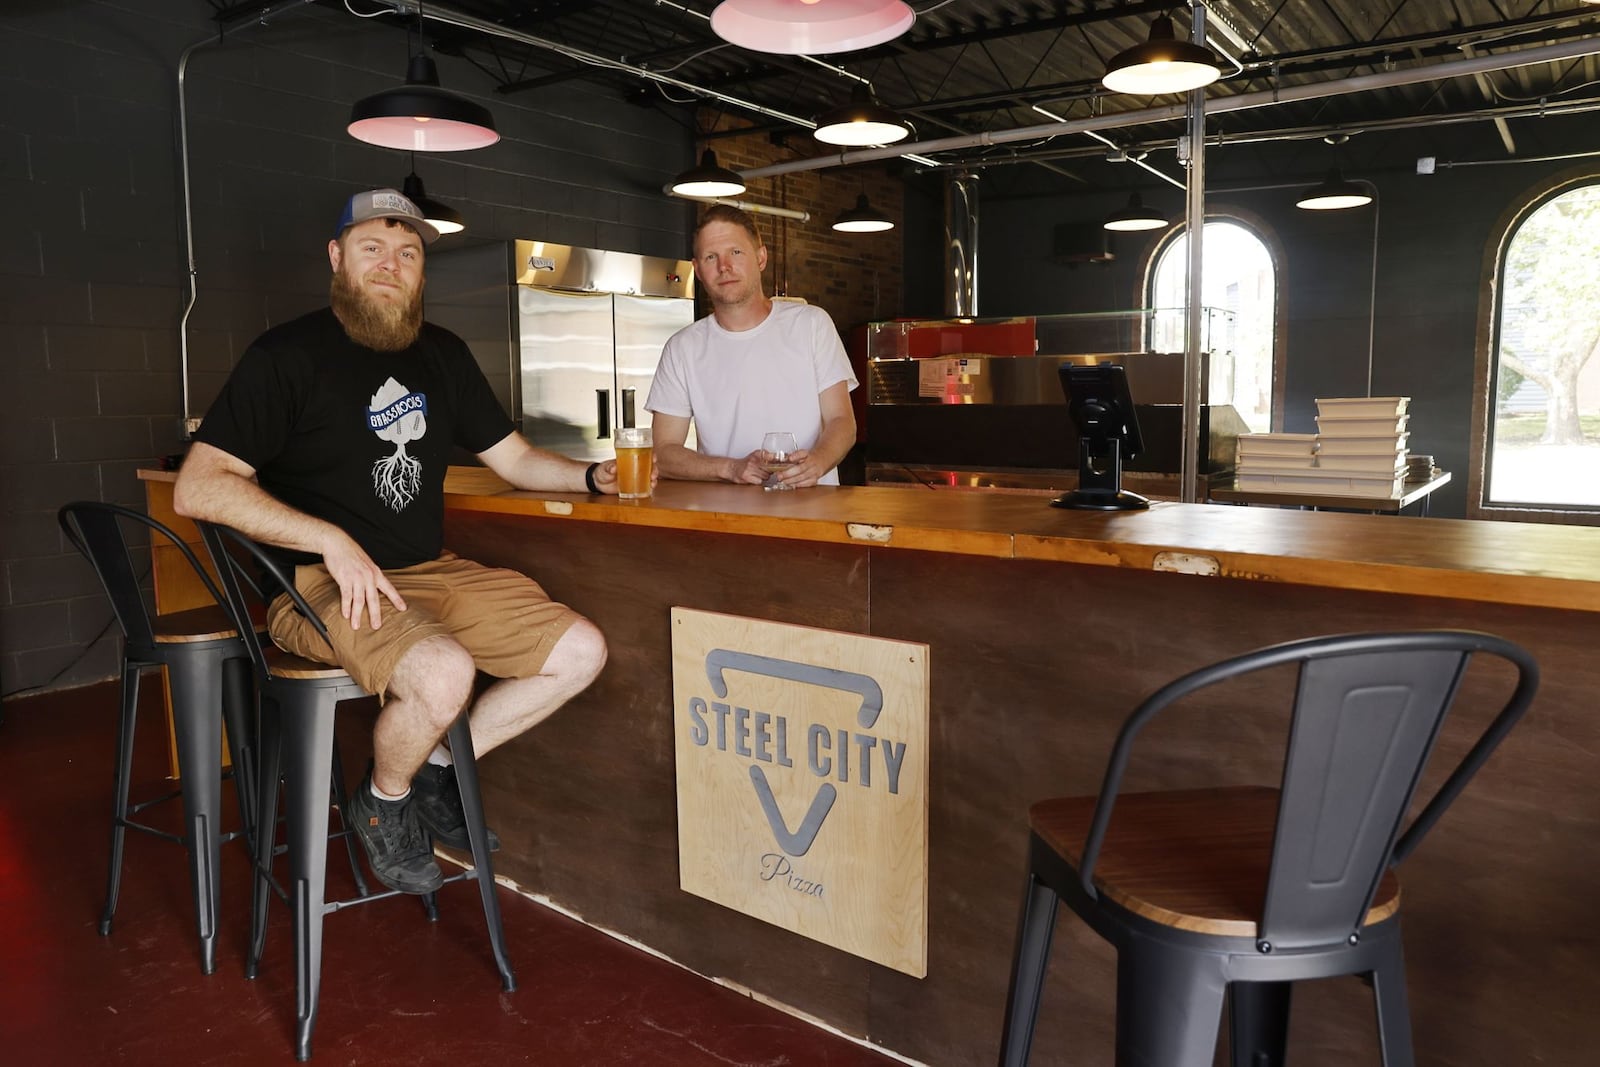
point(749, 368)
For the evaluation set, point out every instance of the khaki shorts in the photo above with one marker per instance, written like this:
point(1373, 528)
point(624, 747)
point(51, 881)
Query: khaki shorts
point(503, 618)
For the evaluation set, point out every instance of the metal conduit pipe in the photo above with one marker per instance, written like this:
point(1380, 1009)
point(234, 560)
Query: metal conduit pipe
point(259, 18)
point(434, 13)
point(744, 205)
point(1312, 133)
point(1458, 68)
point(469, 22)
point(1195, 218)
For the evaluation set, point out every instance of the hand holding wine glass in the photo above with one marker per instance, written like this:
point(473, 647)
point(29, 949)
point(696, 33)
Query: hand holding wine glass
point(778, 447)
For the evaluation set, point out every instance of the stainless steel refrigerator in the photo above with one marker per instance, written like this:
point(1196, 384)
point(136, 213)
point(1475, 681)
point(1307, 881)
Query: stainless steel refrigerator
point(569, 337)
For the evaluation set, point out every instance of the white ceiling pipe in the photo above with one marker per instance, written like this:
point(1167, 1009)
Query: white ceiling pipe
point(1457, 68)
point(743, 205)
point(435, 13)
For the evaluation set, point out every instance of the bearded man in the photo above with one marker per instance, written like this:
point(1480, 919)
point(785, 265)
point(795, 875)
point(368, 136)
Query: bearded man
point(330, 441)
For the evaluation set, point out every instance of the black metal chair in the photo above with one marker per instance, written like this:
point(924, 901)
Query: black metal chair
point(209, 678)
point(298, 701)
point(1245, 890)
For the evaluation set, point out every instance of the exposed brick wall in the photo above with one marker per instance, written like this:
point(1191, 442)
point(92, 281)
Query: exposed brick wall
point(855, 277)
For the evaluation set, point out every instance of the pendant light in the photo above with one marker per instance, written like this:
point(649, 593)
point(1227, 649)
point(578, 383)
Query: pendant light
point(422, 117)
point(441, 217)
point(1162, 64)
point(863, 218)
point(1334, 193)
point(708, 179)
point(861, 122)
point(1135, 217)
point(810, 27)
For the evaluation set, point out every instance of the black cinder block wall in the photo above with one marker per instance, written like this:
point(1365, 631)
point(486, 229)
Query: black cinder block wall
point(93, 264)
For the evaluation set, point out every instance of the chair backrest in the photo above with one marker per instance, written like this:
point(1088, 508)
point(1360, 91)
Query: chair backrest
point(96, 530)
point(1367, 711)
point(235, 557)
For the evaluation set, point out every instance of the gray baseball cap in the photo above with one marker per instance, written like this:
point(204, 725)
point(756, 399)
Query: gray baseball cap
point(385, 204)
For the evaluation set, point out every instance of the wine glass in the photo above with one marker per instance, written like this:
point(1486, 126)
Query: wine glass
point(778, 447)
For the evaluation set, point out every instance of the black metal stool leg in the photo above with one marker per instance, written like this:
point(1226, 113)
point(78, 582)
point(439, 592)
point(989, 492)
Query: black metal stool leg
point(341, 798)
point(238, 722)
point(460, 735)
point(1258, 1023)
point(1034, 933)
point(1169, 1005)
point(269, 749)
point(308, 766)
point(1394, 1013)
point(119, 801)
point(196, 683)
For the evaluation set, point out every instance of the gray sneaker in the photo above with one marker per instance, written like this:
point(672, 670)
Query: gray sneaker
point(397, 847)
point(438, 805)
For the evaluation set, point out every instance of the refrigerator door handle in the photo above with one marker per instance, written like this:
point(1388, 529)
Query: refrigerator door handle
point(627, 407)
point(602, 413)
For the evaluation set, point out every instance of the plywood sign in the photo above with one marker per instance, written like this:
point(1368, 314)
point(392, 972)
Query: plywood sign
point(802, 760)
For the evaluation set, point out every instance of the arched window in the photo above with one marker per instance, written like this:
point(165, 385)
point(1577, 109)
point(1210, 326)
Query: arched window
point(1544, 399)
point(1241, 286)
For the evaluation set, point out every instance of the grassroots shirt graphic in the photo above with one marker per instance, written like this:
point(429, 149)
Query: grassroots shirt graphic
point(399, 416)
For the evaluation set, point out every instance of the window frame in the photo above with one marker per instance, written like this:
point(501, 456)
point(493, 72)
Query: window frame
point(1487, 355)
point(1261, 231)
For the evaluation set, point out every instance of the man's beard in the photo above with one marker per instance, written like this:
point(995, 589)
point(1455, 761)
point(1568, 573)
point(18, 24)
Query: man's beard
point(384, 325)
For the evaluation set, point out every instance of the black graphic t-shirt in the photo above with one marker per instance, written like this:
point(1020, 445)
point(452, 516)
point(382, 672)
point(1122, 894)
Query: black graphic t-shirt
point(354, 436)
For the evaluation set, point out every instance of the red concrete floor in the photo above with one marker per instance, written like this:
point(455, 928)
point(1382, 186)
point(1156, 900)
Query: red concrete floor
point(395, 988)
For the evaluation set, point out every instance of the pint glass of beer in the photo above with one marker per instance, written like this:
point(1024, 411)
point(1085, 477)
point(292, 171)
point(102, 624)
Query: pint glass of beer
point(634, 456)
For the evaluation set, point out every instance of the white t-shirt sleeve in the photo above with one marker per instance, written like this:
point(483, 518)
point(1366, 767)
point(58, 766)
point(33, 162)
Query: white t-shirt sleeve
point(827, 353)
point(669, 390)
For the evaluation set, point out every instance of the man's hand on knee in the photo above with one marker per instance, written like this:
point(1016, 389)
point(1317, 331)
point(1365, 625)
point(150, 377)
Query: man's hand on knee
point(361, 581)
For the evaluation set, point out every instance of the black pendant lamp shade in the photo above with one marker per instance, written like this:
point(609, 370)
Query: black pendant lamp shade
point(1162, 64)
point(442, 217)
point(861, 122)
point(1135, 217)
point(863, 218)
point(420, 116)
point(708, 179)
point(1334, 193)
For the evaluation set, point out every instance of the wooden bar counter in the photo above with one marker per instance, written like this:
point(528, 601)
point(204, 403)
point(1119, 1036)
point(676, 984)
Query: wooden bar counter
point(1046, 627)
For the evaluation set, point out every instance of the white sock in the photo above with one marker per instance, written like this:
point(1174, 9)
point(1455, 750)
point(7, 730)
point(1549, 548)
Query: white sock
point(440, 756)
point(381, 795)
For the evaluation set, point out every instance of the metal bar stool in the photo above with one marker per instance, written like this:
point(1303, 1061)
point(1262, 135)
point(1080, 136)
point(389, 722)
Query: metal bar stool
point(208, 673)
point(1242, 891)
point(299, 698)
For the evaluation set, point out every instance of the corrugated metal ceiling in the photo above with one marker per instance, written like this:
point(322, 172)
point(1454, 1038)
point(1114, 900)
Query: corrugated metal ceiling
point(969, 66)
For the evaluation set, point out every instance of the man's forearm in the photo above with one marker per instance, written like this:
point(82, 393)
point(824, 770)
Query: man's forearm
point(232, 500)
point(538, 469)
point(834, 443)
point(678, 461)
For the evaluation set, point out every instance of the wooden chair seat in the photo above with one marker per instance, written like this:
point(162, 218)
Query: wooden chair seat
point(1190, 859)
point(283, 664)
point(209, 623)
